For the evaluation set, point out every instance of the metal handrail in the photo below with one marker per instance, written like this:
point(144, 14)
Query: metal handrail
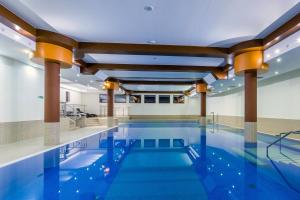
point(279, 140)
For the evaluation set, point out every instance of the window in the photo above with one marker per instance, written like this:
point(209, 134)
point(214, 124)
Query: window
point(103, 98)
point(120, 98)
point(178, 99)
point(135, 99)
point(149, 143)
point(164, 143)
point(149, 99)
point(67, 96)
point(164, 98)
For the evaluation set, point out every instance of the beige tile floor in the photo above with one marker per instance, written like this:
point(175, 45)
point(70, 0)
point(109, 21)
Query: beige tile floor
point(13, 152)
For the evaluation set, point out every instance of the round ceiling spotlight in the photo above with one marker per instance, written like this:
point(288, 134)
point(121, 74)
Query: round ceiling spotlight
point(152, 41)
point(148, 8)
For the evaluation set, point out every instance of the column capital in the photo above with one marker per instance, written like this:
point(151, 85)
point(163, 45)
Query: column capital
point(110, 85)
point(54, 47)
point(249, 59)
point(201, 87)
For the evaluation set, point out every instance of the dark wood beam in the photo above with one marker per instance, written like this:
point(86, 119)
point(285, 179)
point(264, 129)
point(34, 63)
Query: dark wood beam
point(287, 29)
point(11, 20)
point(127, 82)
point(156, 92)
point(150, 49)
point(160, 68)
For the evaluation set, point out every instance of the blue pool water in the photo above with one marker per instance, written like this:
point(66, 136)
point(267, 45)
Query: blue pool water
point(158, 160)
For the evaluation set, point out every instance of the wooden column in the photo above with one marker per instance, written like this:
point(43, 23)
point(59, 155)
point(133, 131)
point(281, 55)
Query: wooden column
point(250, 96)
point(110, 102)
point(249, 62)
point(52, 92)
point(203, 104)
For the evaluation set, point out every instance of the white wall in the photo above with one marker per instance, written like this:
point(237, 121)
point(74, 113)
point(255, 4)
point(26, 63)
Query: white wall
point(278, 100)
point(22, 92)
point(75, 96)
point(20, 89)
point(190, 107)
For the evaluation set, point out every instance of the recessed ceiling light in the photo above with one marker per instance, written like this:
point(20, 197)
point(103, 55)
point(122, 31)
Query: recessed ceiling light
point(77, 75)
point(149, 8)
point(152, 41)
point(298, 40)
point(17, 27)
point(276, 72)
point(278, 60)
point(220, 91)
point(221, 84)
point(277, 51)
point(239, 85)
point(233, 79)
point(268, 55)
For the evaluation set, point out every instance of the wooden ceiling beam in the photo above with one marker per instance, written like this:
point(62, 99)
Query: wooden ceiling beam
point(127, 82)
point(155, 92)
point(160, 68)
point(150, 49)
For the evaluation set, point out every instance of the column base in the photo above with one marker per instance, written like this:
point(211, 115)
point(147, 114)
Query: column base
point(250, 134)
point(111, 122)
point(52, 133)
point(202, 121)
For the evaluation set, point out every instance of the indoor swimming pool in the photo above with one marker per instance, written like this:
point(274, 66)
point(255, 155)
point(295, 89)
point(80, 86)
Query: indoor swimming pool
point(158, 160)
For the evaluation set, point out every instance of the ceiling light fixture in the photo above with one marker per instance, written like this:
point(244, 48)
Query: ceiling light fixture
point(277, 51)
point(221, 84)
point(152, 41)
point(278, 60)
point(148, 8)
point(239, 85)
point(276, 72)
point(17, 27)
point(268, 56)
point(298, 40)
point(233, 79)
point(77, 75)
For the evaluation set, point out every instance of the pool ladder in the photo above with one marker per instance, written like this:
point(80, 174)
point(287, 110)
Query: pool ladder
point(281, 136)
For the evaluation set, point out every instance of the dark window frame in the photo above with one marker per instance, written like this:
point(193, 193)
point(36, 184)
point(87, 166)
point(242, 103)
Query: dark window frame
point(145, 96)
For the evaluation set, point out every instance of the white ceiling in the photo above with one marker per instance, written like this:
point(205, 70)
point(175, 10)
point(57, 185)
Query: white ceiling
point(178, 22)
point(152, 60)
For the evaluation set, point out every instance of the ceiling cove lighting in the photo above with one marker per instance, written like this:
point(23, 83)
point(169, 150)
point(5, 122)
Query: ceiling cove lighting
point(17, 27)
point(277, 51)
point(278, 60)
